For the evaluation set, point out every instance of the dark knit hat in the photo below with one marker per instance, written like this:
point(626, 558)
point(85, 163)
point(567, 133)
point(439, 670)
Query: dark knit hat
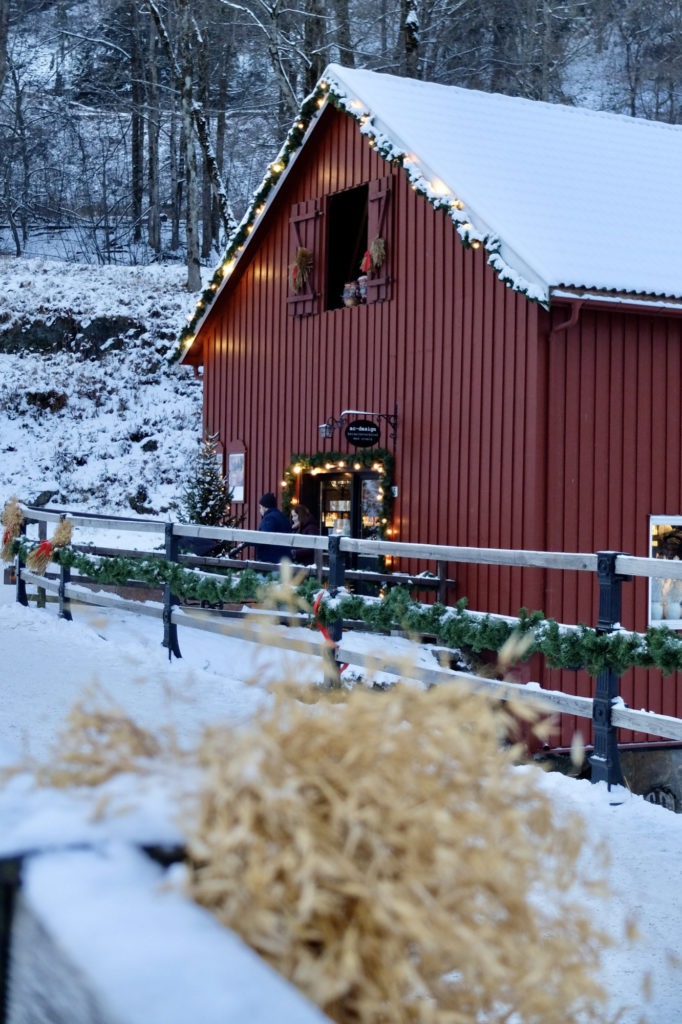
point(268, 500)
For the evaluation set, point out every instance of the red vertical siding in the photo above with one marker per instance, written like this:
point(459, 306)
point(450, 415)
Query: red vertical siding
point(622, 464)
point(446, 348)
point(509, 435)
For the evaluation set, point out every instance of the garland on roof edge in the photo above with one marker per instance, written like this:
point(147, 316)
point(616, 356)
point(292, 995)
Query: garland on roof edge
point(456, 628)
point(310, 107)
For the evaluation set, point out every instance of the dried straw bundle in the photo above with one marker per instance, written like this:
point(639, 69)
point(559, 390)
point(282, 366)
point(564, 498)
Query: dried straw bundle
point(12, 518)
point(300, 269)
point(98, 742)
point(377, 252)
point(62, 534)
point(383, 854)
point(39, 559)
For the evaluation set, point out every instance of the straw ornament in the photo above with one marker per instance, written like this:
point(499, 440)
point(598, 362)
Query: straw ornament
point(375, 256)
point(300, 269)
point(39, 559)
point(12, 518)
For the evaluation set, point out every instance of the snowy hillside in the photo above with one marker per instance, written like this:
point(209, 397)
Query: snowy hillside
point(89, 407)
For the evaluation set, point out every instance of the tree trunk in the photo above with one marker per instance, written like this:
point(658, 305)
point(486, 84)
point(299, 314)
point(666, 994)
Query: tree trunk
point(153, 116)
point(343, 36)
point(4, 32)
point(192, 202)
point(176, 150)
point(137, 129)
point(314, 43)
point(202, 90)
point(220, 134)
point(409, 30)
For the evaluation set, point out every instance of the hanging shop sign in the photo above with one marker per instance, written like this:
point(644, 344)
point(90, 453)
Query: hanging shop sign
point(362, 433)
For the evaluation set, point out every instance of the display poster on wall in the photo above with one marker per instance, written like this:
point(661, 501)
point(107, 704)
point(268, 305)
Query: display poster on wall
point(235, 475)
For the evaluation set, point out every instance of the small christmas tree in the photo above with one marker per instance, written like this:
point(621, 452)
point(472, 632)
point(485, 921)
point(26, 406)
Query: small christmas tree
point(206, 497)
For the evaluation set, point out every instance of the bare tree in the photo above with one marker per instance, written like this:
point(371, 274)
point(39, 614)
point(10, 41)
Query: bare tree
point(649, 34)
point(4, 35)
point(153, 114)
point(343, 40)
point(137, 122)
point(314, 43)
point(186, 105)
point(409, 32)
point(183, 68)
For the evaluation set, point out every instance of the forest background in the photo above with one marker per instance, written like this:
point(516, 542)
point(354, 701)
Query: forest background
point(135, 131)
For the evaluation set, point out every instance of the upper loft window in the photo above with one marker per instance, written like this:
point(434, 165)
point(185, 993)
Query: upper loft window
point(340, 243)
point(347, 227)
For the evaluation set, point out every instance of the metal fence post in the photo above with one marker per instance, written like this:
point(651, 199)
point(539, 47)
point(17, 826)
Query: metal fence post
point(605, 760)
point(64, 601)
point(170, 629)
point(20, 593)
point(337, 576)
point(442, 582)
point(10, 881)
point(41, 593)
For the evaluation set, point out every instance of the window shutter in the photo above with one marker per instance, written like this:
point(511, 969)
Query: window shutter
point(379, 226)
point(303, 234)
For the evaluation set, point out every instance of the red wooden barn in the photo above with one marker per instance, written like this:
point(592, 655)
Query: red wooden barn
point(492, 287)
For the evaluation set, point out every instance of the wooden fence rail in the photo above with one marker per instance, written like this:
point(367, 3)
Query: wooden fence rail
point(266, 629)
point(606, 709)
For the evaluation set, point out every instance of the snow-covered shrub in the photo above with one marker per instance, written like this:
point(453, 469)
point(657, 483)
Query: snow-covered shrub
point(206, 496)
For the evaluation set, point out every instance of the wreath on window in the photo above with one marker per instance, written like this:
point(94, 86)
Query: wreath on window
point(299, 271)
point(375, 256)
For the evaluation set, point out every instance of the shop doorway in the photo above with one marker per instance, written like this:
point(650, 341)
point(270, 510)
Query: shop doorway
point(346, 502)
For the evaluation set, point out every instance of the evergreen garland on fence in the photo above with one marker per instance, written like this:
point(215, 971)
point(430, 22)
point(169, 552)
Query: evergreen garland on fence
point(155, 571)
point(457, 628)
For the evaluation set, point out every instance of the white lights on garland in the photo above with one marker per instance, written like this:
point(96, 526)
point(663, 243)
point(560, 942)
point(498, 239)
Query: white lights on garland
point(430, 186)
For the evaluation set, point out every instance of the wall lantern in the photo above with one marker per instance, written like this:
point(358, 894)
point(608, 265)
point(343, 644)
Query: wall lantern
point(326, 429)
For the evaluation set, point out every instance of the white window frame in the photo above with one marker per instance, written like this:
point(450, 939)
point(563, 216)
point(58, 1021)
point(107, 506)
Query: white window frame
point(665, 595)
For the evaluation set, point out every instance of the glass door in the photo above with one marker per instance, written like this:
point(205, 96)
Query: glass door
point(368, 506)
point(347, 503)
point(336, 504)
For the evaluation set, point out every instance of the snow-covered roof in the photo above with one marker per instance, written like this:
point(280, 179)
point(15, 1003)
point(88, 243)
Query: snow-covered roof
point(576, 197)
point(566, 201)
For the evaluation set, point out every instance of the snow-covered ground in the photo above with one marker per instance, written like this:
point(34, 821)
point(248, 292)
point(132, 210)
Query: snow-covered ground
point(126, 420)
point(48, 664)
point(98, 426)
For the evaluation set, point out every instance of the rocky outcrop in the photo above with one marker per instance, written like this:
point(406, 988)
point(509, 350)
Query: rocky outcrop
point(88, 337)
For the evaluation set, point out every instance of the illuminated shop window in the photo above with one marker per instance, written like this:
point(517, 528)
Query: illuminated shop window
point(665, 595)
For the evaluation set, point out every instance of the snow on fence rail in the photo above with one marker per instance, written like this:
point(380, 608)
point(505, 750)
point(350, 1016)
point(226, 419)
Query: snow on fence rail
point(606, 709)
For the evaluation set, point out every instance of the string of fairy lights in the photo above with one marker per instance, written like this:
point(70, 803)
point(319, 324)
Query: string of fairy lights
point(378, 460)
point(433, 189)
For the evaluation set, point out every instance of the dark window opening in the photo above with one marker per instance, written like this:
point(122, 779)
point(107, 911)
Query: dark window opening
point(346, 245)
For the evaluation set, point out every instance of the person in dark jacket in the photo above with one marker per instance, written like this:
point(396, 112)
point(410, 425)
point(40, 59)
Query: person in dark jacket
point(272, 521)
point(303, 523)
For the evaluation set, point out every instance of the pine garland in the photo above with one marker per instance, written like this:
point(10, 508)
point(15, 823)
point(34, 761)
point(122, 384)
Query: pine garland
point(388, 150)
point(562, 647)
point(187, 584)
point(365, 458)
